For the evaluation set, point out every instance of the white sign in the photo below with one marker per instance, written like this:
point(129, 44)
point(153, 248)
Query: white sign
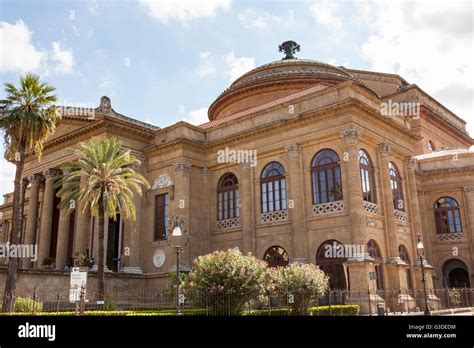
point(78, 280)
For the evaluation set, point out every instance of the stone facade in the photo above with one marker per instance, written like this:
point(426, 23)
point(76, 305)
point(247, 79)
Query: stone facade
point(287, 111)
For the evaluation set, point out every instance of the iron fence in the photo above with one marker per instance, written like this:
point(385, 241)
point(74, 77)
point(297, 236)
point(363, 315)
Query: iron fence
point(149, 302)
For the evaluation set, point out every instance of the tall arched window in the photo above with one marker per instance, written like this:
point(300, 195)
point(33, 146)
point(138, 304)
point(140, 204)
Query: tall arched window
point(396, 185)
point(326, 177)
point(403, 253)
point(367, 177)
point(273, 186)
point(447, 217)
point(329, 260)
point(276, 256)
point(228, 197)
point(374, 252)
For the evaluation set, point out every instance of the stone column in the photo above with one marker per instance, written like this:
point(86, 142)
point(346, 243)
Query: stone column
point(390, 224)
point(351, 139)
point(82, 230)
point(246, 211)
point(297, 211)
point(32, 219)
point(469, 232)
point(63, 238)
point(46, 215)
point(181, 204)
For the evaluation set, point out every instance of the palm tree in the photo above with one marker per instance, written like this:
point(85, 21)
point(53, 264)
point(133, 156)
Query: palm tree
point(108, 186)
point(27, 117)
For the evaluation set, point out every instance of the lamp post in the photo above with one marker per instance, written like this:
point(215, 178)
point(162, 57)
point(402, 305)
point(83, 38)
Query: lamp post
point(177, 239)
point(420, 250)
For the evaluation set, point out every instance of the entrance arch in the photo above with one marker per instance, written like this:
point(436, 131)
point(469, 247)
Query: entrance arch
point(455, 274)
point(328, 261)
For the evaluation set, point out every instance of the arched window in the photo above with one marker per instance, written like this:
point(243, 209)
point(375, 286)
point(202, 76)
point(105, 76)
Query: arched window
point(447, 217)
point(276, 256)
point(273, 188)
point(396, 185)
point(374, 252)
point(326, 177)
point(228, 197)
point(367, 177)
point(330, 259)
point(403, 253)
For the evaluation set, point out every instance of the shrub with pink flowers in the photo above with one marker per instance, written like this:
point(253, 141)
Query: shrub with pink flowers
point(299, 285)
point(229, 280)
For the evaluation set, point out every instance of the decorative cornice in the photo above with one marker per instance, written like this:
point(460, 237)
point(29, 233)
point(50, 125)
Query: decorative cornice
point(182, 167)
point(293, 150)
point(351, 136)
point(385, 149)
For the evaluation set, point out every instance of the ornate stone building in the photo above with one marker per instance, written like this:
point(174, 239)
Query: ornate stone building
point(343, 157)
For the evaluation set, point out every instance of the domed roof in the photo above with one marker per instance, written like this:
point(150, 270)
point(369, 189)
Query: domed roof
point(275, 80)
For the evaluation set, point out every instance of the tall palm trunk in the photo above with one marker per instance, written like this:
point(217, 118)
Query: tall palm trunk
point(15, 234)
point(100, 267)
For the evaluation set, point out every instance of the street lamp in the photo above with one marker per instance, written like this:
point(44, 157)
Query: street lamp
point(420, 250)
point(177, 239)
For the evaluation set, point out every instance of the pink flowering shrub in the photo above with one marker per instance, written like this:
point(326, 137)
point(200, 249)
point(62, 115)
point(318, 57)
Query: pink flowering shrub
point(229, 280)
point(298, 285)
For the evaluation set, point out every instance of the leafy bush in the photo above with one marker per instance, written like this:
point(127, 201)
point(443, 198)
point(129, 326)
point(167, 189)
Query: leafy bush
point(298, 285)
point(109, 304)
point(226, 281)
point(271, 312)
point(454, 296)
point(337, 310)
point(25, 305)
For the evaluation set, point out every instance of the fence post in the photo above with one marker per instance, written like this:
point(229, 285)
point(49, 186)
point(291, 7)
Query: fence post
point(370, 304)
point(82, 300)
point(34, 301)
point(57, 302)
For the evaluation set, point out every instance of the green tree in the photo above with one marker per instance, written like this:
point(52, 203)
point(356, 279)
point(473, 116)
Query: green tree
point(27, 118)
point(109, 185)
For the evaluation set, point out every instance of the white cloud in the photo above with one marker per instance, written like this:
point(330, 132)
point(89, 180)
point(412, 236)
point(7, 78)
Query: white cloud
point(64, 59)
point(197, 117)
point(18, 52)
point(427, 43)
point(252, 20)
point(183, 10)
point(206, 67)
point(324, 14)
point(20, 55)
point(238, 66)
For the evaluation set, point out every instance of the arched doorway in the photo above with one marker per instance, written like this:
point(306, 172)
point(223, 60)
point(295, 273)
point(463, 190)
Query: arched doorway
point(374, 252)
point(455, 274)
point(330, 259)
point(276, 256)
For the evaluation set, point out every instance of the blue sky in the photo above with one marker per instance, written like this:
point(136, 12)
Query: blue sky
point(163, 61)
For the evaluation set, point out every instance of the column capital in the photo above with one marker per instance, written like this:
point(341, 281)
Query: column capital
point(384, 149)
point(411, 162)
point(293, 150)
point(35, 179)
point(205, 173)
point(182, 167)
point(351, 136)
point(469, 190)
point(51, 173)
